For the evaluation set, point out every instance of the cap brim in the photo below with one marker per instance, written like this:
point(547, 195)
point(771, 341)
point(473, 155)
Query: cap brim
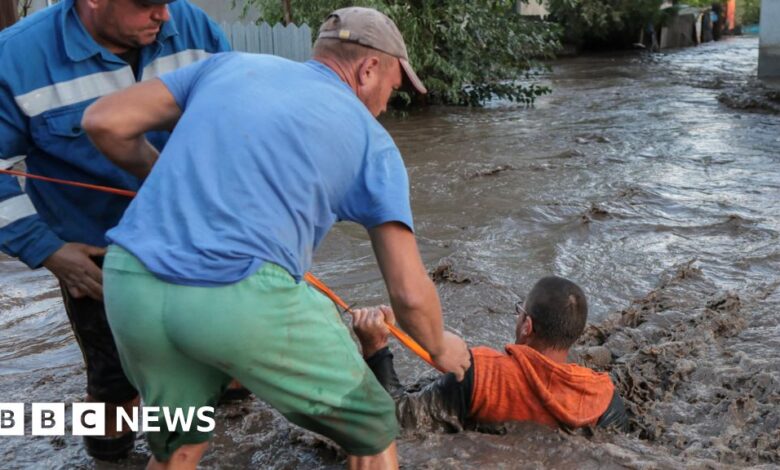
point(413, 78)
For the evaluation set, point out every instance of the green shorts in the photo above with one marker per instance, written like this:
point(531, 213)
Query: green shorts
point(181, 345)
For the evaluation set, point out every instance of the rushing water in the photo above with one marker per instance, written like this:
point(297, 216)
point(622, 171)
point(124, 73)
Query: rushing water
point(633, 179)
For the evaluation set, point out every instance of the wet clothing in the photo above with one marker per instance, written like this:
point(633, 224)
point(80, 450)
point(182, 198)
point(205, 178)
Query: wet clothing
point(285, 341)
point(519, 385)
point(51, 69)
point(293, 150)
point(106, 380)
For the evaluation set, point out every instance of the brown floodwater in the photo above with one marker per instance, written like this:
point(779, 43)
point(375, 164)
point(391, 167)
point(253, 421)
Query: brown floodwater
point(651, 180)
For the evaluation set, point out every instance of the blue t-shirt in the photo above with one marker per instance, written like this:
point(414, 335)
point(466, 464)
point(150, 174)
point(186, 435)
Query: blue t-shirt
point(267, 155)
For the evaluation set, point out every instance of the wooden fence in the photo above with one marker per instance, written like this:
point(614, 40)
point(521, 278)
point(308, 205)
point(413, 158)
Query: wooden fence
point(291, 41)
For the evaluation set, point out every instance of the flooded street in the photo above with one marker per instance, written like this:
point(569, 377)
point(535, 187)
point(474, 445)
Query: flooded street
point(638, 178)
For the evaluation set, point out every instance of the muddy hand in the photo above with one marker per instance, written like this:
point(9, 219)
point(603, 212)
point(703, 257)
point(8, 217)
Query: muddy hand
point(369, 326)
point(74, 267)
point(454, 357)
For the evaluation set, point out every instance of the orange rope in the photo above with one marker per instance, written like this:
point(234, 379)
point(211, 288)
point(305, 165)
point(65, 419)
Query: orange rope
point(405, 339)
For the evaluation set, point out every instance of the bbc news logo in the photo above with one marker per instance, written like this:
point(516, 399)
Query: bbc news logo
point(89, 419)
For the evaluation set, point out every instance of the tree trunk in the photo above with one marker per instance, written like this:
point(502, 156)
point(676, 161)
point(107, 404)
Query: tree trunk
point(287, 12)
point(8, 15)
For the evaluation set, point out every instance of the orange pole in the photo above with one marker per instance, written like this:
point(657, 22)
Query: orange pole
point(405, 339)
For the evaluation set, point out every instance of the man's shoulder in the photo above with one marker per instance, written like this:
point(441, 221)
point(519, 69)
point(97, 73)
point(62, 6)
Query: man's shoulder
point(184, 9)
point(30, 47)
point(486, 352)
point(194, 29)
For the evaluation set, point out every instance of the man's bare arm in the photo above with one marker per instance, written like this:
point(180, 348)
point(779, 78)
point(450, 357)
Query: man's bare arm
point(414, 298)
point(116, 124)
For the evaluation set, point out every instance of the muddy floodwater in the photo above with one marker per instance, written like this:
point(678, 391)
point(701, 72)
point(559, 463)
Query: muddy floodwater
point(651, 180)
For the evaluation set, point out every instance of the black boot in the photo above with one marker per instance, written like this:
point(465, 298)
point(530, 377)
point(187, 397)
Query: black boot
point(111, 448)
point(232, 395)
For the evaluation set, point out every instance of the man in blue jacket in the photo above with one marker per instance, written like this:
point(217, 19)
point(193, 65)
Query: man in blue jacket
point(53, 64)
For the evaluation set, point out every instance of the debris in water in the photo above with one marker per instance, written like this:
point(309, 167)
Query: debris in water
point(444, 272)
point(491, 171)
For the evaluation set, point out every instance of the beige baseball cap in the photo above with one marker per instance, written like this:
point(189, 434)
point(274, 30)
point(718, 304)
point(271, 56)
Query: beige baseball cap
point(371, 28)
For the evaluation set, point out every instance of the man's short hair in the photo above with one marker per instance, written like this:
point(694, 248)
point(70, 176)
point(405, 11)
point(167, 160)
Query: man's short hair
point(559, 311)
point(349, 51)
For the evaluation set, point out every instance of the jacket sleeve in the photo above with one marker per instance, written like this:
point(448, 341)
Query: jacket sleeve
point(615, 416)
point(23, 234)
point(442, 404)
point(221, 41)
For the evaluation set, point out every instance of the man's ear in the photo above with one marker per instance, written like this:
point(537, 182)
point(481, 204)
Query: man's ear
point(528, 326)
point(368, 70)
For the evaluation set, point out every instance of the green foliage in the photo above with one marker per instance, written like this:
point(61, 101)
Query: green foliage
point(604, 21)
point(749, 11)
point(466, 52)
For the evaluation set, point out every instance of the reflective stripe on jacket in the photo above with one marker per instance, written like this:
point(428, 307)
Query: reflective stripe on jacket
point(51, 69)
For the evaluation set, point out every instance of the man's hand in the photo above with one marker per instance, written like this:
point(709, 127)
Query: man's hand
point(76, 270)
point(369, 326)
point(454, 356)
point(371, 331)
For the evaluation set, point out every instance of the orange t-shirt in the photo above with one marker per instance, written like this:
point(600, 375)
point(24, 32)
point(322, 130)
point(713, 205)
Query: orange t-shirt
point(524, 385)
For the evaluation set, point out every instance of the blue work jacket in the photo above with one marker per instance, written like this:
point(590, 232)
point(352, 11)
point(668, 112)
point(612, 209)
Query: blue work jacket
point(51, 69)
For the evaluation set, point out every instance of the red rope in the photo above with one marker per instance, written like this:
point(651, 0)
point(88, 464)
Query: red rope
point(105, 189)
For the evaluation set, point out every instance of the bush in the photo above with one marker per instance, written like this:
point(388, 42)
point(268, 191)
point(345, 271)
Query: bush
point(750, 11)
point(612, 23)
point(466, 52)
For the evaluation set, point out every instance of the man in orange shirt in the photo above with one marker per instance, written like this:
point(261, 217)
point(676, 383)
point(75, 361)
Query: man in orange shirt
point(530, 381)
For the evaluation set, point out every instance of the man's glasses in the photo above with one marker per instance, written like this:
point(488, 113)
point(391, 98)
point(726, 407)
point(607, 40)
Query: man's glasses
point(519, 309)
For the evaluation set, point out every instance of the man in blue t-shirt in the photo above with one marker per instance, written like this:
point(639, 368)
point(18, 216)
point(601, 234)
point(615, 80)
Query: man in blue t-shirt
point(203, 277)
point(53, 64)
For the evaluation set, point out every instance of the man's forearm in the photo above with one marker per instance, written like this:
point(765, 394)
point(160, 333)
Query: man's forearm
point(116, 124)
point(381, 364)
point(414, 298)
point(418, 311)
point(137, 156)
point(444, 403)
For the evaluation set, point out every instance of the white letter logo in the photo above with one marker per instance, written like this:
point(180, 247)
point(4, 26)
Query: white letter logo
point(178, 422)
point(11, 419)
point(123, 418)
point(89, 419)
point(206, 415)
point(48, 419)
point(150, 415)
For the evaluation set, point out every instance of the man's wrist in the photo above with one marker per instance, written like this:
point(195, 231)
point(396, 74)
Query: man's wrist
point(437, 349)
point(369, 349)
point(378, 356)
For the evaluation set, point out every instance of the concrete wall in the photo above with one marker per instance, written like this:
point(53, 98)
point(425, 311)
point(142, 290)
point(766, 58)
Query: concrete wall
point(769, 41)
